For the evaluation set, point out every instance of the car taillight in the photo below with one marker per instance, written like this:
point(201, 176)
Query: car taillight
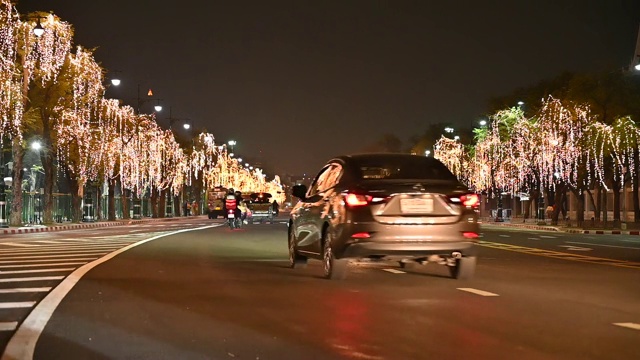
point(470, 200)
point(352, 199)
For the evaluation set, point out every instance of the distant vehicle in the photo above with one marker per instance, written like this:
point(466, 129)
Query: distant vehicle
point(215, 202)
point(260, 208)
point(396, 207)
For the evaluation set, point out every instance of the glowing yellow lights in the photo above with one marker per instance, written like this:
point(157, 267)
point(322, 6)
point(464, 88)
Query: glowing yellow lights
point(562, 143)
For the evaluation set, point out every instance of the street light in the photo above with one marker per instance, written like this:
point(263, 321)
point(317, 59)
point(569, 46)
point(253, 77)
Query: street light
point(448, 129)
point(140, 101)
point(483, 122)
point(38, 30)
point(36, 145)
point(427, 152)
point(232, 143)
point(456, 137)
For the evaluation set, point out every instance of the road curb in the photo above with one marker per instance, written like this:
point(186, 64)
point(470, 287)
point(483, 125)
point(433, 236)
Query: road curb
point(571, 231)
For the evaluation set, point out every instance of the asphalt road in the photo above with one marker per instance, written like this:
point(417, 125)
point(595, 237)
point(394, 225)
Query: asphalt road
point(221, 294)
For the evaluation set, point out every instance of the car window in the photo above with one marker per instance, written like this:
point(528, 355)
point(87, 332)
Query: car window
point(332, 177)
point(313, 189)
point(326, 179)
point(402, 167)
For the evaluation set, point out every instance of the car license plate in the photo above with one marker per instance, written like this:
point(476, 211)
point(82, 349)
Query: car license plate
point(416, 206)
point(231, 216)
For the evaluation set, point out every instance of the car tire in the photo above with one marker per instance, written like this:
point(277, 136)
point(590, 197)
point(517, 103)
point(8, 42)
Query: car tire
point(295, 260)
point(334, 269)
point(464, 269)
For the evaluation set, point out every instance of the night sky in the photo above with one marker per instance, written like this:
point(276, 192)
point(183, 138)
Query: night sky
point(297, 82)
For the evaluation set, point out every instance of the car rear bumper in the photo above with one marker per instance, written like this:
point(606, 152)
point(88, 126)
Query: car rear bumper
point(377, 249)
point(370, 239)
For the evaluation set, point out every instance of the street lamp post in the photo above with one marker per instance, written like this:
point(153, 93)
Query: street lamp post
point(232, 143)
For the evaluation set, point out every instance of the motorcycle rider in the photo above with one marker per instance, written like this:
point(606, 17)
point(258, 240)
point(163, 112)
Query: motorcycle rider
point(231, 203)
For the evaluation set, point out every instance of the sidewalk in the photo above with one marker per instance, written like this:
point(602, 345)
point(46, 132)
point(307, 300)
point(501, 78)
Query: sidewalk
point(560, 228)
point(87, 225)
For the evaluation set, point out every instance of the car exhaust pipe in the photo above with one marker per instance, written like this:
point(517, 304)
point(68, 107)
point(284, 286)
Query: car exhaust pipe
point(456, 255)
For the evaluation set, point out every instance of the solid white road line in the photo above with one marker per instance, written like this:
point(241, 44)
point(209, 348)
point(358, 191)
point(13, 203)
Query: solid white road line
point(633, 326)
point(24, 290)
point(548, 237)
point(49, 241)
point(34, 271)
point(8, 326)
point(22, 344)
point(394, 271)
point(41, 278)
point(16, 305)
point(478, 292)
point(39, 265)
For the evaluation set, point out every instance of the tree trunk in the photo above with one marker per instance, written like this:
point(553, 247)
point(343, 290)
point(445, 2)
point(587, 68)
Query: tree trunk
point(125, 204)
point(76, 201)
point(616, 203)
point(177, 206)
point(16, 205)
point(98, 214)
point(598, 203)
point(47, 158)
point(153, 196)
point(111, 199)
point(605, 212)
point(636, 185)
point(580, 207)
point(162, 204)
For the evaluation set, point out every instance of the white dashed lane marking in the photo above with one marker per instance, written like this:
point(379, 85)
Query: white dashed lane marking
point(16, 305)
point(35, 271)
point(506, 236)
point(628, 325)
point(548, 237)
point(8, 326)
point(42, 278)
point(24, 290)
point(478, 292)
point(394, 271)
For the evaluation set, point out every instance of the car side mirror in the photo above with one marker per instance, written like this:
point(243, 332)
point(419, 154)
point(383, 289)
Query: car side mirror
point(299, 191)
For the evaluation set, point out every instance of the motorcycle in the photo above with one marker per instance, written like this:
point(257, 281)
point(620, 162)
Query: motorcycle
point(233, 221)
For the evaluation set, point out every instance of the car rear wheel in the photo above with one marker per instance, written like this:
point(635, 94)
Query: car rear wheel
point(464, 268)
point(295, 260)
point(334, 269)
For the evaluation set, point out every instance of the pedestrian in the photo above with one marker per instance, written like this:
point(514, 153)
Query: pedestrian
point(188, 212)
point(195, 209)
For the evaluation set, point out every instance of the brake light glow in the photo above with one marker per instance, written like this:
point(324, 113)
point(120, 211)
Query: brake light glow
point(361, 235)
point(357, 200)
point(470, 235)
point(470, 200)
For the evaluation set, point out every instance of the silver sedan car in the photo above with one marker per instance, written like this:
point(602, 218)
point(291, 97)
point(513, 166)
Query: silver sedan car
point(387, 207)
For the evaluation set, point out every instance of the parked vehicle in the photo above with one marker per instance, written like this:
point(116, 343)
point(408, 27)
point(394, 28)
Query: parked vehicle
point(260, 208)
point(385, 207)
point(215, 202)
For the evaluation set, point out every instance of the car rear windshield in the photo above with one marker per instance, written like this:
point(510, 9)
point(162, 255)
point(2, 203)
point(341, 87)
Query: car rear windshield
point(402, 167)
